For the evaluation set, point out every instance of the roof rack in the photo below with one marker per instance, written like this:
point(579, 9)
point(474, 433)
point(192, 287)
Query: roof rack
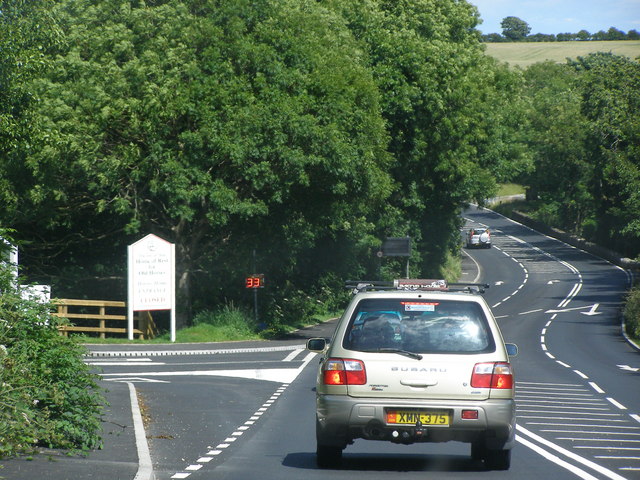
point(414, 284)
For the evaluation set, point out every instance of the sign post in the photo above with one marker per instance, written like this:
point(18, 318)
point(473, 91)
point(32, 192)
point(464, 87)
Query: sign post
point(397, 247)
point(255, 281)
point(151, 276)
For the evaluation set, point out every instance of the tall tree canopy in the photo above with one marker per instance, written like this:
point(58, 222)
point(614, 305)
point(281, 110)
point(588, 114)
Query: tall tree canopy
point(440, 93)
point(610, 88)
point(584, 125)
point(26, 31)
point(222, 127)
point(305, 131)
point(557, 136)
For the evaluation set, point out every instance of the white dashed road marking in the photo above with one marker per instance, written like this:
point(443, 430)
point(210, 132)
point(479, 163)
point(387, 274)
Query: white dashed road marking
point(250, 422)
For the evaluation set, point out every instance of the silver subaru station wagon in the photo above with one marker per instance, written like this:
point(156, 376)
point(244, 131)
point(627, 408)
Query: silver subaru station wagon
point(416, 361)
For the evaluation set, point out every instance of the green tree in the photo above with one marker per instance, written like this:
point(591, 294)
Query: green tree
point(27, 30)
point(610, 88)
point(493, 38)
point(615, 34)
point(556, 138)
point(223, 127)
point(583, 35)
point(515, 29)
point(439, 94)
point(303, 131)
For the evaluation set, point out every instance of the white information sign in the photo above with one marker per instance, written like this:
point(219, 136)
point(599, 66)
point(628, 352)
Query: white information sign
point(151, 278)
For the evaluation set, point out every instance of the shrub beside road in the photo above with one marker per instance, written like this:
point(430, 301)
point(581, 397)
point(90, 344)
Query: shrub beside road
point(49, 397)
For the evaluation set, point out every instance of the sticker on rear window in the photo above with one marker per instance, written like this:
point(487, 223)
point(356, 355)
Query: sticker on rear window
point(419, 306)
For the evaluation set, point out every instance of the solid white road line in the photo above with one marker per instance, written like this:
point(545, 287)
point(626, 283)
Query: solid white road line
point(555, 459)
point(145, 467)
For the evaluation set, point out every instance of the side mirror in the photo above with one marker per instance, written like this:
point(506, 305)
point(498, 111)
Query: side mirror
point(512, 349)
point(316, 345)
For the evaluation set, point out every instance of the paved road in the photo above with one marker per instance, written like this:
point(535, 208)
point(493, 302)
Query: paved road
point(245, 410)
point(578, 382)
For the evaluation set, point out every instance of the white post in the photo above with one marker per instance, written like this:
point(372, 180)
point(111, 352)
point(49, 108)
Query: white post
point(130, 292)
point(173, 293)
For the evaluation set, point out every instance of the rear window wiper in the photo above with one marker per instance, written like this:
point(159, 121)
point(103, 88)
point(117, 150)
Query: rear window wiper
point(399, 351)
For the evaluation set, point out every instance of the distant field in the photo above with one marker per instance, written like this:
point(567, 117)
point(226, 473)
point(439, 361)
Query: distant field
point(524, 54)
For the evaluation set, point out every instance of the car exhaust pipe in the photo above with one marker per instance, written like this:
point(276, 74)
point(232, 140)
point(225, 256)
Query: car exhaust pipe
point(375, 431)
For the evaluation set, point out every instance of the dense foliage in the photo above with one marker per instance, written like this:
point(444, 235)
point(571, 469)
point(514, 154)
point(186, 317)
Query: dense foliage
point(48, 396)
point(286, 137)
point(585, 139)
point(290, 138)
point(632, 313)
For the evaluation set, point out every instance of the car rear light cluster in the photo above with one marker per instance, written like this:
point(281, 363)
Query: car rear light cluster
point(492, 375)
point(344, 371)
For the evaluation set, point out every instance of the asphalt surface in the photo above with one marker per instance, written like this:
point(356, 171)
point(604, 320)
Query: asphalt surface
point(120, 457)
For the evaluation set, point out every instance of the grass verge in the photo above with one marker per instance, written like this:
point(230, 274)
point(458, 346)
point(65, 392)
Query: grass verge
point(225, 325)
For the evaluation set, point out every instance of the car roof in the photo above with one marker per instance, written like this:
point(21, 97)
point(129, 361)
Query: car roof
point(414, 285)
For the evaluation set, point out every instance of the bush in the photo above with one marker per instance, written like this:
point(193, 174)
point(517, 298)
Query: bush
point(631, 313)
point(548, 214)
point(231, 322)
point(589, 229)
point(49, 397)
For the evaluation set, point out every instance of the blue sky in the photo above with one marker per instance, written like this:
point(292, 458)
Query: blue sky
point(561, 16)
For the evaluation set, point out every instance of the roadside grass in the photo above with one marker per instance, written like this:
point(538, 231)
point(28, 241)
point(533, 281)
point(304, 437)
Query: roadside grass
point(506, 189)
point(452, 268)
point(229, 324)
point(523, 54)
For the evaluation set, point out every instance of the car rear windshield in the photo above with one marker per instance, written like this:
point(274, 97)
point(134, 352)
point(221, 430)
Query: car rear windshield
point(420, 326)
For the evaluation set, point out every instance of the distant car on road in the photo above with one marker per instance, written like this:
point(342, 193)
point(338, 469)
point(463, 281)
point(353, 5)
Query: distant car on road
point(479, 237)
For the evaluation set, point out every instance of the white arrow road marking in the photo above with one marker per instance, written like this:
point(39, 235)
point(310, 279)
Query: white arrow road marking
point(280, 375)
point(551, 282)
point(590, 312)
point(499, 282)
point(594, 307)
point(134, 379)
point(628, 368)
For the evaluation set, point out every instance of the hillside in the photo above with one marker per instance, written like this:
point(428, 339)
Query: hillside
point(524, 54)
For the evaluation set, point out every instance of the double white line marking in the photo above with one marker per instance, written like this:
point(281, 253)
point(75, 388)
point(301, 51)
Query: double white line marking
point(563, 451)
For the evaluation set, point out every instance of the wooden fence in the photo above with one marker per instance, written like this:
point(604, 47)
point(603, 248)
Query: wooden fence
point(101, 317)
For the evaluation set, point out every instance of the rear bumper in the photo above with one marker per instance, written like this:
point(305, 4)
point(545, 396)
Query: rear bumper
point(341, 419)
point(478, 243)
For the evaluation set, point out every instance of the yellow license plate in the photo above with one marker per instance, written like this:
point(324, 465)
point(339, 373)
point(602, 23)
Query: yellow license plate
point(411, 417)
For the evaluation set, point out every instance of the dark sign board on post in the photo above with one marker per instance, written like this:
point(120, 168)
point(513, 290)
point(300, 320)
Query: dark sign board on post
point(397, 247)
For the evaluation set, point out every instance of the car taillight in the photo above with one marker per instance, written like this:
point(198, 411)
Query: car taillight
point(492, 375)
point(344, 371)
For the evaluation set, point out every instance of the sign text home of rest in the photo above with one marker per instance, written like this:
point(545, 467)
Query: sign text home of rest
point(151, 278)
